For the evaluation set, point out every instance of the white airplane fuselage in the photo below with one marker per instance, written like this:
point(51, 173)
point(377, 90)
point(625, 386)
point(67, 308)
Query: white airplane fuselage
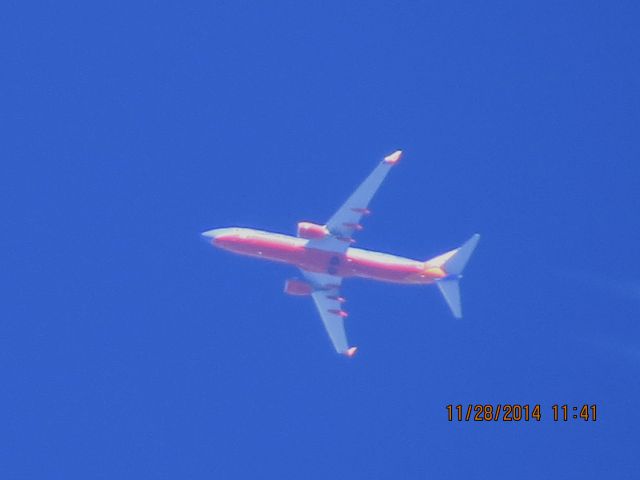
point(354, 262)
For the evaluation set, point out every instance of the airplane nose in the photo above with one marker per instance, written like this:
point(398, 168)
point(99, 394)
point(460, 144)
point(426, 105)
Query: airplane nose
point(210, 235)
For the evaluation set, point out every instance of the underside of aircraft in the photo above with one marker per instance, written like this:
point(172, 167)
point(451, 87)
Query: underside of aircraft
point(325, 256)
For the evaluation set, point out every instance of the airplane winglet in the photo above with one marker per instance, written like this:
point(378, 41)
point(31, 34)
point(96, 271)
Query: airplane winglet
point(351, 352)
point(393, 158)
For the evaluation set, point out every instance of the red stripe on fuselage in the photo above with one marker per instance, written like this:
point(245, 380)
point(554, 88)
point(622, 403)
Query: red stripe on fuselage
point(353, 263)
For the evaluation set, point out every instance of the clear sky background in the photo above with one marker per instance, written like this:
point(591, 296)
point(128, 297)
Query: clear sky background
point(131, 349)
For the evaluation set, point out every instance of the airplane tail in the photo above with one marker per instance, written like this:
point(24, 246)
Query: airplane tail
point(453, 263)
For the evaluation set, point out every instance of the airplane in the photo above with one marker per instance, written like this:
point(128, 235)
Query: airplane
point(325, 256)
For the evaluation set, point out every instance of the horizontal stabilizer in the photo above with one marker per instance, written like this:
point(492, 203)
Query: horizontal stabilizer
point(450, 289)
point(453, 263)
point(456, 263)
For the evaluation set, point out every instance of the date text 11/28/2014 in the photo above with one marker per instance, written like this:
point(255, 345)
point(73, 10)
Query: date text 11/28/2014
point(514, 412)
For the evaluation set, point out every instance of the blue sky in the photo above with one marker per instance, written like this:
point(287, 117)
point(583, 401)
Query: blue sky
point(130, 349)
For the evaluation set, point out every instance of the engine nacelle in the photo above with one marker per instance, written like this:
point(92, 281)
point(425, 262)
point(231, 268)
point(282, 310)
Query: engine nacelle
point(312, 231)
point(294, 286)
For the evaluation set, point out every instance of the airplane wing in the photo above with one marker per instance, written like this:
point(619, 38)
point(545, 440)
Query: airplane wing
point(346, 220)
point(326, 296)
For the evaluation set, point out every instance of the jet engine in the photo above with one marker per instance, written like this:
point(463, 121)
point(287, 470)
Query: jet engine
point(312, 231)
point(294, 286)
